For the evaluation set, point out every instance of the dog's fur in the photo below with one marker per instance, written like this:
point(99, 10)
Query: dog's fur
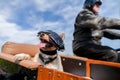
point(55, 63)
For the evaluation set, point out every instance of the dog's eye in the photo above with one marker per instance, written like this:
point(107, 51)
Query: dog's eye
point(41, 34)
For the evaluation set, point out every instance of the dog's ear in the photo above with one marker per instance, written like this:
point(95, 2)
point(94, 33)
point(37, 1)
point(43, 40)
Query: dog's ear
point(62, 35)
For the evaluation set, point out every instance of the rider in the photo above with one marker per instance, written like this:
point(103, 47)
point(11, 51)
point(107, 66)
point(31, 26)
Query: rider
point(89, 30)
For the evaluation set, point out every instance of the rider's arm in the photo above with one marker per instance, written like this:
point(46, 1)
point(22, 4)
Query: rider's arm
point(110, 23)
point(90, 20)
point(103, 22)
point(111, 34)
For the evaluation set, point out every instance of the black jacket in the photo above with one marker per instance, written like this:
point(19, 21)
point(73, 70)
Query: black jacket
point(90, 28)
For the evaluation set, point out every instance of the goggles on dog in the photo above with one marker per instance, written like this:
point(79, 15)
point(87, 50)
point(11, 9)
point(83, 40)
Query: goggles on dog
point(54, 38)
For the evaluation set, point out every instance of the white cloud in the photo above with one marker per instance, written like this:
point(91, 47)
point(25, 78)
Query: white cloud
point(45, 5)
point(67, 9)
point(110, 10)
point(13, 32)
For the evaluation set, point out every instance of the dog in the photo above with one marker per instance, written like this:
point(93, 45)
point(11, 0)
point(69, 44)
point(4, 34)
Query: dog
point(50, 43)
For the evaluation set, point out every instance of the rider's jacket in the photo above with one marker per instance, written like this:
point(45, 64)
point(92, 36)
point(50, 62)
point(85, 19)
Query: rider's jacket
point(90, 28)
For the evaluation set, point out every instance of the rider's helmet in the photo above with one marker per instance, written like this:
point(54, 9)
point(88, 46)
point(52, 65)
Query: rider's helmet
point(90, 3)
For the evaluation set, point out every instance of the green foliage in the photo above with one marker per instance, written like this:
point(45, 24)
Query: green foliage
point(8, 66)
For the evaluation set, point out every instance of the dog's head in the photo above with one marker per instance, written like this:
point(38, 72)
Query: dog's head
point(50, 40)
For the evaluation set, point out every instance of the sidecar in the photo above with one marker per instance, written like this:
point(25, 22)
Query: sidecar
point(75, 68)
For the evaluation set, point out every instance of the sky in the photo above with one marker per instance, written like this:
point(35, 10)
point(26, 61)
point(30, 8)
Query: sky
point(21, 20)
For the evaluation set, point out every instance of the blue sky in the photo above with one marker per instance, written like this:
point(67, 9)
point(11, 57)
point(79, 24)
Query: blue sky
point(20, 20)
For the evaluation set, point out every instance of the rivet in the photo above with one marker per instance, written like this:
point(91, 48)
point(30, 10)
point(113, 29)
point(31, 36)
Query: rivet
point(80, 64)
point(34, 77)
point(58, 75)
point(71, 79)
point(25, 78)
point(63, 59)
point(49, 73)
point(41, 70)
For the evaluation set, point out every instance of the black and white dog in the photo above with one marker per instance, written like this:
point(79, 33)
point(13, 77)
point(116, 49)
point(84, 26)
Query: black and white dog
point(47, 56)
